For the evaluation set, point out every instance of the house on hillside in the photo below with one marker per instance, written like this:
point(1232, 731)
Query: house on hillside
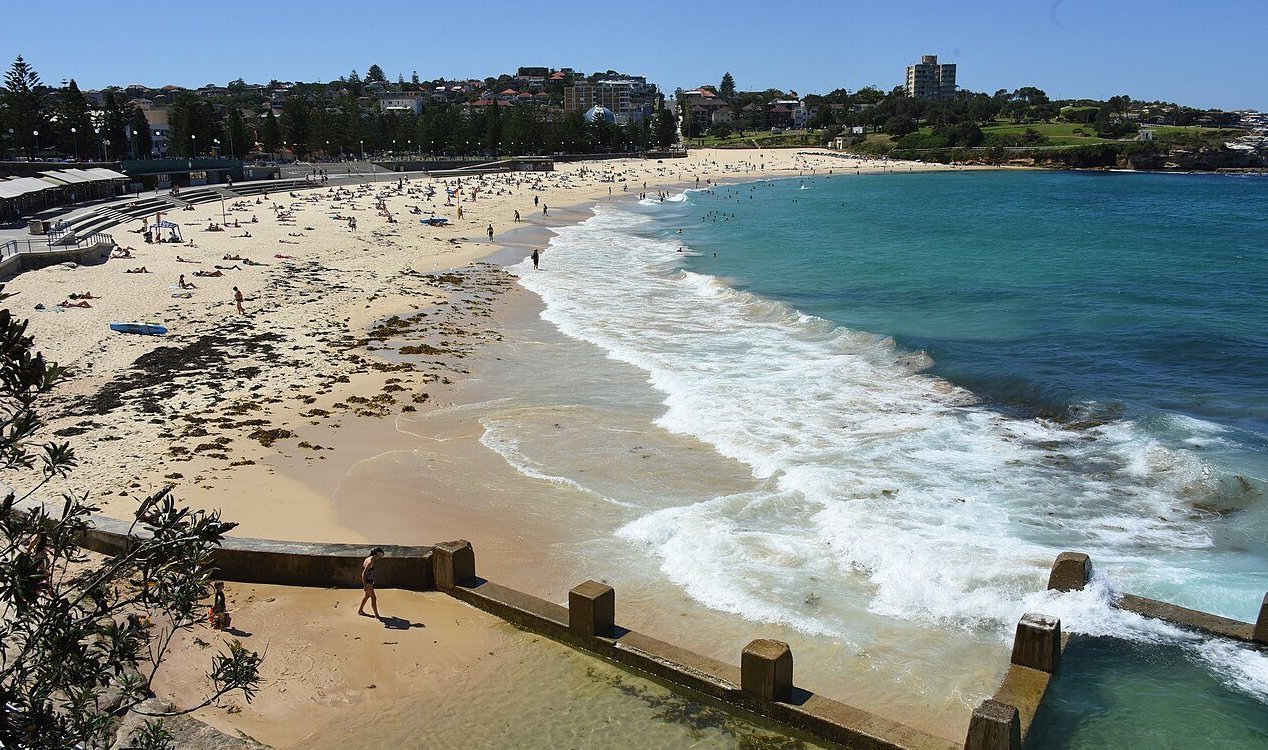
point(401, 102)
point(701, 106)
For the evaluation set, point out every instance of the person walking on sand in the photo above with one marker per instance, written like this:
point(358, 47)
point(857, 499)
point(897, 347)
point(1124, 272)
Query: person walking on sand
point(544, 210)
point(367, 582)
point(490, 230)
point(237, 300)
point(517, 217)
point(536, 257)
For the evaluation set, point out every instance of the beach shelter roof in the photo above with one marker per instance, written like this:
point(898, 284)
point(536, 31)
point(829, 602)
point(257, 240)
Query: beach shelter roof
point(67, 176)
point(20, 186)
point(102, 173)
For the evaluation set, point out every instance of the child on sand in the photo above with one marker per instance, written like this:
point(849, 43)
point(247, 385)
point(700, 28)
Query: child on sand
point(218, 615)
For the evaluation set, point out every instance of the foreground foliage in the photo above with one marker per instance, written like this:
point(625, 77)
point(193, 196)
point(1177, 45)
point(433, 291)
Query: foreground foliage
point(82, 636)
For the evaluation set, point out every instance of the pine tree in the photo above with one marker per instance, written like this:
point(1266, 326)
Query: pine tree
point(665, 130)
point(72, 112)
point(240, 140)
point(114, 122)
point(24, 105)
point(271, 133)
point(142, 139)
point(375, 75)
point(727, 88)
point(297, 119)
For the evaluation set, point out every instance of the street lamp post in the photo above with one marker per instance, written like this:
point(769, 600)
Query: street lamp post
point(105, 150)
point(74, 136)
point(36, 133)
point(193, 144)
point(216, 146)
point(362, 150)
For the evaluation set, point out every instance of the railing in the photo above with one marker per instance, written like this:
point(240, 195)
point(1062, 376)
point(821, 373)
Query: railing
point(16, 247)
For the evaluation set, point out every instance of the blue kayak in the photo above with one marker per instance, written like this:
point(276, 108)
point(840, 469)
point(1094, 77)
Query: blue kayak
point(148, 329)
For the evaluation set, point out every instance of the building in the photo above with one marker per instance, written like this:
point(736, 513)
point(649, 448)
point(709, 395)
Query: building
point(401, 102)
point(630, 98)
point(929, 80)
point(703, 108)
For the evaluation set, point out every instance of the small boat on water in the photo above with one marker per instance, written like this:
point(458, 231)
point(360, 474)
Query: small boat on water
point(147, 329)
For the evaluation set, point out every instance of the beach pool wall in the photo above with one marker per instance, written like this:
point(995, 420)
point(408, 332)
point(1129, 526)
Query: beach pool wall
point(762, 687)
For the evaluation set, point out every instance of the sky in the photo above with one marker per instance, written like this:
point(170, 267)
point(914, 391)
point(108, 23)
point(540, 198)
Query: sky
point(1206, 54)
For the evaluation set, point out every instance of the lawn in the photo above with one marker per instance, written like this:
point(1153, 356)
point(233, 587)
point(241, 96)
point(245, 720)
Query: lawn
point(762, 139)
point(1057, 133)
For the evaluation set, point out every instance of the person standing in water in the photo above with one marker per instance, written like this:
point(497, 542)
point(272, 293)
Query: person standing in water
point(367, 583)
point(536, 257)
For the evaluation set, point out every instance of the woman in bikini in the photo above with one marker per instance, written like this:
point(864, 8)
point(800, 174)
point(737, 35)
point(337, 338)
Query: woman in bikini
point(367, 582)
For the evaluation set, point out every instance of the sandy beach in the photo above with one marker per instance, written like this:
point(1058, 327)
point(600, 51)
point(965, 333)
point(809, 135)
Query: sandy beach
point(352, 338)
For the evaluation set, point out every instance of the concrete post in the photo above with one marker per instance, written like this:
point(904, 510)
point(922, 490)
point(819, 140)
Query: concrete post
point(1260, 634)
point(592, 609)
point(1070, 572)
point(1038, 642)
point(994, 726)
point(453, 563)
point(766, 669)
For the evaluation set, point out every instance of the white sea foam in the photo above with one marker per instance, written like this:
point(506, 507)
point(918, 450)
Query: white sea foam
point(890, 482)
point(501, 439)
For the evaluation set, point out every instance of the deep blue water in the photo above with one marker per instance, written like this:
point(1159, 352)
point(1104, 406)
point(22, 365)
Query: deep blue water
point(1073, 295)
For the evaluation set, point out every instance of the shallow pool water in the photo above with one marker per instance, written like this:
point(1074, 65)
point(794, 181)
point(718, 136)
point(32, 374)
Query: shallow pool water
point(540, 694)
point(1111, 693)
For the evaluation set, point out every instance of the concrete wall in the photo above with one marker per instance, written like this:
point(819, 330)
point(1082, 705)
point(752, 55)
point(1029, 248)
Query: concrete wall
point(25, 261)
point(703, 677)
point(291, 563)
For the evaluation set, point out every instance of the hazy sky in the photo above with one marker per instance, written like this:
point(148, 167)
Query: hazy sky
point(1205, 54)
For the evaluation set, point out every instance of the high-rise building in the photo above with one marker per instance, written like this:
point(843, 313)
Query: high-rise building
point(929, 80)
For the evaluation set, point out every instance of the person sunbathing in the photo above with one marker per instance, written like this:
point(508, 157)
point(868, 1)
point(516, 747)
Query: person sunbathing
point(294, 234)
point(185, 284)
point(244, 234)
point(190, 244)
point(249, 262)
point(121, 252)
point(279, 255)
point(232, 257)
point(209, 273)
point(68, 303)
point(139, 269)
point(227, 268)
point(82, 295)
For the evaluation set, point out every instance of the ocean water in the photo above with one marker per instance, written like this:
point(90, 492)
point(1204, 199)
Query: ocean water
point(865, 413)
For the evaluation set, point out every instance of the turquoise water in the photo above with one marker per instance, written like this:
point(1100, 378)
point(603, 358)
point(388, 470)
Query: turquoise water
point(866, 413)
point(1111, 693)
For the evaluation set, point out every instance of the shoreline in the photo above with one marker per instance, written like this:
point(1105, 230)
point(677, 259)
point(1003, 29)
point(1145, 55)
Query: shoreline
point(281, 416)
